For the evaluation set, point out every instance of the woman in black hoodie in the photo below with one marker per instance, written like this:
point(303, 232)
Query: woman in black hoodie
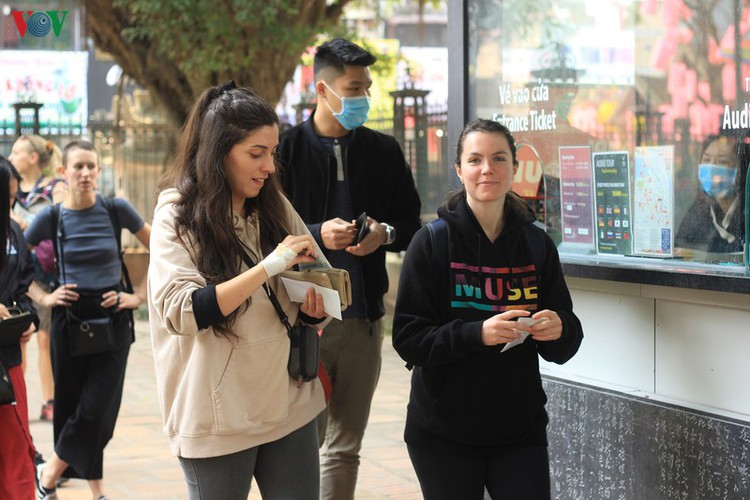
point(473, 284)
point(16, 272)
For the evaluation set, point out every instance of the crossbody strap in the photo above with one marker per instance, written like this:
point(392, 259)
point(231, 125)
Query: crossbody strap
point(57, 235)
point(57, 226)
point(55, 214)
point(269, 291)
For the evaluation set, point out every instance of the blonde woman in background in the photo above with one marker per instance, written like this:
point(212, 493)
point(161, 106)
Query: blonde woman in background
point(36, 159)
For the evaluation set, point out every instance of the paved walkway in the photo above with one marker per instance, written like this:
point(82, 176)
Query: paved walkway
point(138, 464)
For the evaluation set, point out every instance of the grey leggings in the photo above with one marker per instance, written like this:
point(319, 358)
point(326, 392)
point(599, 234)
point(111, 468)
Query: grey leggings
point(288, 468)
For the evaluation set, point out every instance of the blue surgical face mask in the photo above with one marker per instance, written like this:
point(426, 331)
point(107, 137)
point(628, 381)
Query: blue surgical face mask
point(354, 110)
point(717, 180)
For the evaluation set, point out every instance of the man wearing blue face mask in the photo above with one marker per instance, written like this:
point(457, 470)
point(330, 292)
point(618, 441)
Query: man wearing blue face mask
point(715, 222)
point(334, 169)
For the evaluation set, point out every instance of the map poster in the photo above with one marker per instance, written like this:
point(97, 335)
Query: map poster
point(575, 194)
point(653, 201)
point(612, 188)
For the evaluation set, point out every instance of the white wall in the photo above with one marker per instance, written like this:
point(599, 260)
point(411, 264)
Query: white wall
point(690, 347)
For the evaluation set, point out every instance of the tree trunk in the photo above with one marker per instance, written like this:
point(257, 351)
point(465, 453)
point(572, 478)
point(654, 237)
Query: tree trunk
point(171, 87)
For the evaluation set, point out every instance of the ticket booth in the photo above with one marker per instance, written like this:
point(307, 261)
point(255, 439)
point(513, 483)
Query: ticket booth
point(633, 126)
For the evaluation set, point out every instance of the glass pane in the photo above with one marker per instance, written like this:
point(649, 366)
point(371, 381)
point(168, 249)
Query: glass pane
point(631, 120)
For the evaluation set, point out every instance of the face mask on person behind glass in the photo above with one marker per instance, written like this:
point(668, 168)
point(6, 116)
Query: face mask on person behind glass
point(354, 110)
point(717, 180)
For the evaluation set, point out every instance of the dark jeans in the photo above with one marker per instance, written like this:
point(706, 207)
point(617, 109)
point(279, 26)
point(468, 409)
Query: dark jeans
point(516, 474)
point(286, 469)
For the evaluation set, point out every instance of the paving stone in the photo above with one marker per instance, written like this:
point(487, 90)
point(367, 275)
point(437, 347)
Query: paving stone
point(139, 465)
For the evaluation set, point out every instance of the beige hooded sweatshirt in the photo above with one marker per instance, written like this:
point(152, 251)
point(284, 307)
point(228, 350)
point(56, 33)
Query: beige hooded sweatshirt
point(219, 396)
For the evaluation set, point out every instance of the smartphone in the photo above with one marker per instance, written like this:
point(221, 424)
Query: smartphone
point(363, 228)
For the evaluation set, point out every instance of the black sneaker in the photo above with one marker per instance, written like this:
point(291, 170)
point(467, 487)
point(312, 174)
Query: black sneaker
point(43, 493)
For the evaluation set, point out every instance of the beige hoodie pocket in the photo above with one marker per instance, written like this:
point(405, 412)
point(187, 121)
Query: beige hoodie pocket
point(253, 391)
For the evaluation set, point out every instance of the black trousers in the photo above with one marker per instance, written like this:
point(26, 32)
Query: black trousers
point(517, 474)
point(88, 392)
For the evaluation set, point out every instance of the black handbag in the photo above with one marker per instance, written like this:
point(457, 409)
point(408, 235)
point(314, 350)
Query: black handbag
point(304, 347)
point(90, 336)
point(12, 327)
point(7, 395)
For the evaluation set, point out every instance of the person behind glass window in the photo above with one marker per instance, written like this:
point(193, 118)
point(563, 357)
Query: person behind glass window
point(715, 221)
point(16, 273)
point(37, 160)
point(476, 416)
point(88, 389)
point(229, 407)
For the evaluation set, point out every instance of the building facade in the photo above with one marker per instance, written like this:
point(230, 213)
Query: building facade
point(612, 104)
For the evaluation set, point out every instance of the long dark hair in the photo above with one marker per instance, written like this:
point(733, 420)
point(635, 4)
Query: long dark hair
point(5, 175)
point(221, 117)
point(512, 200)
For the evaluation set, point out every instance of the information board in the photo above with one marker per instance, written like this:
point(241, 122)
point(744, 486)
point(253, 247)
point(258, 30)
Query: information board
point(575, 195)
point(612, 202)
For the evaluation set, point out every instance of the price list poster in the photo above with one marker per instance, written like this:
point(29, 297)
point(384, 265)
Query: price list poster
point(612, 202)
point(575, 194)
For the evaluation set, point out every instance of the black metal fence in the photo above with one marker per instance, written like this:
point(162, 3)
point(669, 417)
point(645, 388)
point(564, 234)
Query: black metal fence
point(425, 146)
point(134, 157)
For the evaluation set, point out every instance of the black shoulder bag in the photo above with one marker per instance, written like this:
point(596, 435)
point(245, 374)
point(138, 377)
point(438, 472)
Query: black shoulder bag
point(90, 336)
point(11, 330)
point(303, 339)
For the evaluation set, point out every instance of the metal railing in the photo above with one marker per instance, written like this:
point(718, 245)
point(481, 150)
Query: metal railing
point(425, 147)
point(134, 157)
